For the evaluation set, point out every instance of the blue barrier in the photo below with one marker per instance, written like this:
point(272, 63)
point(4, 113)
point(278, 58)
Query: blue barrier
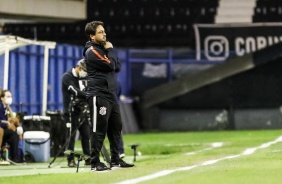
point(26, 71)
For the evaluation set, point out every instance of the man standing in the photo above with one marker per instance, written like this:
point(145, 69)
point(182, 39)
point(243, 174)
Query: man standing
point(74, 102)
point(102, 65)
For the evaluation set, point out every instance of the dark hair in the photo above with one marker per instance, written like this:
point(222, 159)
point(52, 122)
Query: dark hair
point(91, 27)
point(3, 93)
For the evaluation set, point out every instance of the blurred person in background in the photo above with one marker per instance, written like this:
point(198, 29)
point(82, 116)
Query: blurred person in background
point(10, 133)
point(74, 101)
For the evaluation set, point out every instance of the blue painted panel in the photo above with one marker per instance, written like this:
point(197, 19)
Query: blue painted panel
point(26, 72)
point(34, 80)
point(26, 75)
point(62, 58)
point(13, 77)
point(52, 95)
point(122, 75)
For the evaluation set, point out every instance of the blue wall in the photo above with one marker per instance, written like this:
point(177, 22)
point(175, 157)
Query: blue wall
point(26, 72)
point(26, 75)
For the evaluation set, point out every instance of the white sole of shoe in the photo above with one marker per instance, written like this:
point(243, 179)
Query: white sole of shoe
point(115, 168)
point(100, 171)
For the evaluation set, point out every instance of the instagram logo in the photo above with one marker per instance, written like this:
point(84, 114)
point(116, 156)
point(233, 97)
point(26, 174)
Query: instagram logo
point(216, 48)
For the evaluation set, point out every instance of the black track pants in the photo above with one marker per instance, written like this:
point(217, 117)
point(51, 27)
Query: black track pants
point(106, 120)
point(12, 138)
point(78, 122)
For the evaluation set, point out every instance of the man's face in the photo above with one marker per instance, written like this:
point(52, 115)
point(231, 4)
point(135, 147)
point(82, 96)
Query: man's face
point(100, 36)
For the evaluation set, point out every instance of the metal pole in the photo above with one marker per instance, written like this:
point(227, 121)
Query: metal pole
point(45, 80)
point(6, 67)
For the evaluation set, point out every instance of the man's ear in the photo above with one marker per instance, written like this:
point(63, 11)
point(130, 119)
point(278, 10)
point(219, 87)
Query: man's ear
point(92, 36)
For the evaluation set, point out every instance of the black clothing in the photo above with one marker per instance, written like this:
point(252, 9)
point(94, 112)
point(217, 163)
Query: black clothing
point(102, 66)
point(74, 100)
point(105, 124)
point(3, 115)
point(11, 137)
point(79, 121)
point(71, 89)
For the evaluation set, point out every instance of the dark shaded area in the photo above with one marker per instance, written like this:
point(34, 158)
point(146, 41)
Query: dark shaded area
point(249, 81)
point(267, 11)
point(257, 88)
point(241, 93)
point(128, 23)
point(260, 87)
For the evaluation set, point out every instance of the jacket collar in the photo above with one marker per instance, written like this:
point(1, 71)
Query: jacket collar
point(73, 72)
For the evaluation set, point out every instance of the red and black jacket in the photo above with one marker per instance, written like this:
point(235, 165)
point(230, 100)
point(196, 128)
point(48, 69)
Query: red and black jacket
point(102, 66)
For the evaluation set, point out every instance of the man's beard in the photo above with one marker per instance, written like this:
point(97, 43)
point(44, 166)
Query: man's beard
point(101, 42)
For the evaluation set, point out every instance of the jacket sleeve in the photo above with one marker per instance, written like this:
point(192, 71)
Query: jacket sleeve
point(105, 62)
point(112, 54)
point(118, 66)
point(69, 82)
point(3, 125)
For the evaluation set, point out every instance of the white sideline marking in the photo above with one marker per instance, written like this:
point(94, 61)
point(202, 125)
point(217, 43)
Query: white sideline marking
point(248, 151)
point(214, 145)
point(187, 144)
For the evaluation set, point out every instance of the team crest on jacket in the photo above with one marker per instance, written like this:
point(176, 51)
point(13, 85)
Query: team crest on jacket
point(103, 111)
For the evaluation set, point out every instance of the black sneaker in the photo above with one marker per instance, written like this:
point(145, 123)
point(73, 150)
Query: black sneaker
point(120, 163)
point(100, 166)
point(87, 162)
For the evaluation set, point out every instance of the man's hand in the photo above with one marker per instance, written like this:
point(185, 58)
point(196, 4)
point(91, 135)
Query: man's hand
point(108, 45)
